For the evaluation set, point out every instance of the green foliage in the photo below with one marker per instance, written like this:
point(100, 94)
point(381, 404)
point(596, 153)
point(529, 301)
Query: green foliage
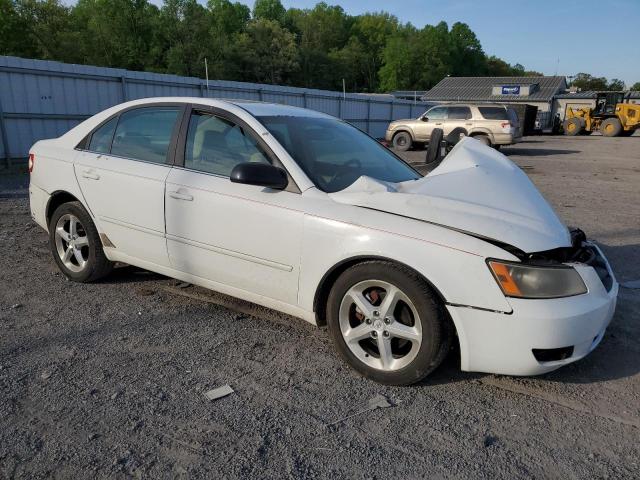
point(269, 10)
point(316, 48)
point(265, 52)
point(635, 87)
point(585, 81)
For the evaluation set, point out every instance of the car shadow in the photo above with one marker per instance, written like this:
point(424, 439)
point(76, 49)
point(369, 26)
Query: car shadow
point(131, 274)
point(536, 152)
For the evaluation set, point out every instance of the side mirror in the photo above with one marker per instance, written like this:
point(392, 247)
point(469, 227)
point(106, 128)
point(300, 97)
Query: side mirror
point(425, 119)
point(260, 174)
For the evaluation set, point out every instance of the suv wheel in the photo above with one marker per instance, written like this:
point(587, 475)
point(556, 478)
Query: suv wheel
point(483, 139)
point(402, 141)
point(76, 245)
point(387, 323)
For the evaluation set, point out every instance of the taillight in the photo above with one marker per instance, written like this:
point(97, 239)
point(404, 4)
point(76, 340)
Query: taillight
point(32, 161)
point(505, 125)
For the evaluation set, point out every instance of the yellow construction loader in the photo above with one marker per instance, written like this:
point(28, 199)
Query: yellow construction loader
point(612, 116)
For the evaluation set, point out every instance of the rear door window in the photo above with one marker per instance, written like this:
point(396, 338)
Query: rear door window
point(145, 133)
point(494, 113)
point(459, 113)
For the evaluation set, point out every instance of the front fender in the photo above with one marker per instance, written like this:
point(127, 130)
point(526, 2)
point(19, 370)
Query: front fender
point(454, 263)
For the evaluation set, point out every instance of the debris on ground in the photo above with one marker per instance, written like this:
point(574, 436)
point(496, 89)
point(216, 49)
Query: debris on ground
point(183, 284)
point(219, 392)
point(375, 402)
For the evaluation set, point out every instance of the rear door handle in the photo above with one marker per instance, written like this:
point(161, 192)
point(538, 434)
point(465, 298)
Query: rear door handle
point(90, 175)
point(181, 196)
point(439, 123)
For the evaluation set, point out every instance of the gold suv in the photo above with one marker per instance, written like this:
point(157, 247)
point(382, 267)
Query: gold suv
point(494, 125)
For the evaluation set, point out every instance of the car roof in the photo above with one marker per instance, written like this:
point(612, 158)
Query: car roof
point(255, 108)
point(468, 104)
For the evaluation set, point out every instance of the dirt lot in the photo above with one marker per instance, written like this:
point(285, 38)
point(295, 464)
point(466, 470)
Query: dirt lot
point(107, 380)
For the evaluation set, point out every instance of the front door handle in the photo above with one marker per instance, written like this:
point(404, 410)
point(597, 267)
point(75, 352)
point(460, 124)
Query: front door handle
point(468, 123)
point(439, 123)
point(91, 175)
point(181, 196)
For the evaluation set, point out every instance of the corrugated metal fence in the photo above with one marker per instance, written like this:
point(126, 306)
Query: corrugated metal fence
point(43, 99)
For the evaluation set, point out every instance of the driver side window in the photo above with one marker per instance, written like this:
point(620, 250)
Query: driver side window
point(216, 145)
point(436, 113)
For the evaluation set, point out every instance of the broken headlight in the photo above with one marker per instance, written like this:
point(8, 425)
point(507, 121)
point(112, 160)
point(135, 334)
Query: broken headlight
point(529, 281)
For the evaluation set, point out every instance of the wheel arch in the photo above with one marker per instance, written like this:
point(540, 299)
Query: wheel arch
point(328, 279)
point(58, 198)
point(404, 129)
point(482, 131)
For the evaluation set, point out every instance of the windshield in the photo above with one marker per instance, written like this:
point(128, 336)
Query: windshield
point(335, 154)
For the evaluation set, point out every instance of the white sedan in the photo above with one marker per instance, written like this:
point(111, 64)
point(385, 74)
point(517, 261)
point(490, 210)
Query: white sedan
point(303, 213)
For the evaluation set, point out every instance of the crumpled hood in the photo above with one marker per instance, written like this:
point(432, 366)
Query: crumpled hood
point(476, 189)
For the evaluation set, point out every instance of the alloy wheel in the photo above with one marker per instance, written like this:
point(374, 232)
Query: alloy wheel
point(380, 325)
point(72, 243)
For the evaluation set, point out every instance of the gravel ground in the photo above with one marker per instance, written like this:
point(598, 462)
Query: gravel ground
point(108, 379)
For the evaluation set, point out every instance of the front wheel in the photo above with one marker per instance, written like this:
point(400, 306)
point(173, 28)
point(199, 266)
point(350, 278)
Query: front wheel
point(573, 126)
point(75, 244)
point(402, 141)
point(387, 324)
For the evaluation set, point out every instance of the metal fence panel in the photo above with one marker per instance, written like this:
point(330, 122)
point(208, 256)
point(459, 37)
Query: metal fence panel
point(44, 99)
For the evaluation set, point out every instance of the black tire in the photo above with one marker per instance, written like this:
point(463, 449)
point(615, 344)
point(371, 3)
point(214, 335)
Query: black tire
point(97, 264)
point(627, 133)
point(611, 127)
point(496, 146)
point(437, 329)
point(456, 135)
point(433, 149)
point(483, 139)
point(402, 141)
point(573, 126)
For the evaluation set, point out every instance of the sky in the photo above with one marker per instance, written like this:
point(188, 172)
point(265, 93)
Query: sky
point(543, 35)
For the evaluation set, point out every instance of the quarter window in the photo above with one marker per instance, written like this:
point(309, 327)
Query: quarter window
point(494, 113)
point(101, 138)
point(215, 145)
point(145, 133)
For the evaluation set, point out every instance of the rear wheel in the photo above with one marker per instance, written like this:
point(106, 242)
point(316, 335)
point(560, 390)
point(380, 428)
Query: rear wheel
point(75, 244)
point(387, 323)
point(611, 127)
point(402, 141)
point(573, 126)
point(483, 139)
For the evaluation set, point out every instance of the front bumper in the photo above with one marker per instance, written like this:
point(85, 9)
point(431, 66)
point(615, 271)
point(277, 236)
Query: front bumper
point(504, 343)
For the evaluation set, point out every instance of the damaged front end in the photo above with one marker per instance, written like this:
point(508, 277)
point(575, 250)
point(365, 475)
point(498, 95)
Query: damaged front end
point(581, 251)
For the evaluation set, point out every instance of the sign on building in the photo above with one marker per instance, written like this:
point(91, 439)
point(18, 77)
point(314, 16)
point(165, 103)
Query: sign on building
point(511, 90)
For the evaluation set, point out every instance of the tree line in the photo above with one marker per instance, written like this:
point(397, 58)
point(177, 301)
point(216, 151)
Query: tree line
point(314, 48)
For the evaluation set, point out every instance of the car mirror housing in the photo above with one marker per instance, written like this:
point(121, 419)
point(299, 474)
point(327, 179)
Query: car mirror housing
point(425, 119)
point(260, 174)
